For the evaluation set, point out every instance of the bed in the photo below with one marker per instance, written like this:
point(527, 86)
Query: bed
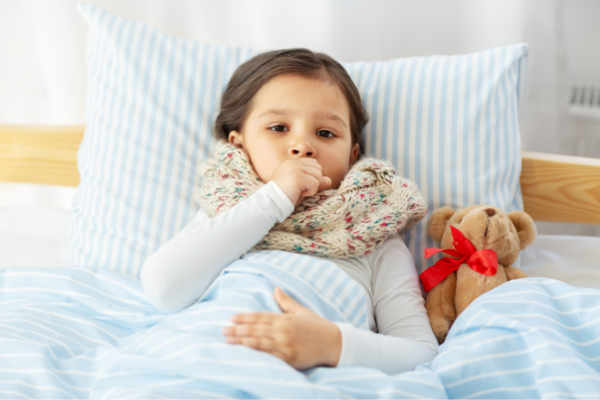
point(34, 253)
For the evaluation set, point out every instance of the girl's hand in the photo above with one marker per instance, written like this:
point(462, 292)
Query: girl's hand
point(301, 177)
point(298, 336)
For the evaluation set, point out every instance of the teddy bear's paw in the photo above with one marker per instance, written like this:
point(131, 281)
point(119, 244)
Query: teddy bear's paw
point(441, 337)
point(440, 328)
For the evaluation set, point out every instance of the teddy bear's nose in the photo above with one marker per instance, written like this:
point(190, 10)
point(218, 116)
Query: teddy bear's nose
point(490, 211)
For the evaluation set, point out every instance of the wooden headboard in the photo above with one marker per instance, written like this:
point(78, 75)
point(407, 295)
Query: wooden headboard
point(555, 188)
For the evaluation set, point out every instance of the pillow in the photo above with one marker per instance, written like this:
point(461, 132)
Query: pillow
point(149, 109)
point(151, 102)
point(450, 124)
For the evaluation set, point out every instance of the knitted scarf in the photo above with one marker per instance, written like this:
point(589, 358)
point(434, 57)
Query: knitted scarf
point(371, 203)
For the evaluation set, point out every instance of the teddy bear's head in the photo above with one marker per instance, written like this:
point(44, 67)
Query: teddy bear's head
point(486, 227)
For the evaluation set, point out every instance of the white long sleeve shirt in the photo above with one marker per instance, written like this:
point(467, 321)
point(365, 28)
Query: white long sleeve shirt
point(400, 336)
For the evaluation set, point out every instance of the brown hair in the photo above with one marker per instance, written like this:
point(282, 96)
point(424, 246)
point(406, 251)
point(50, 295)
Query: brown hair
point(254, 73)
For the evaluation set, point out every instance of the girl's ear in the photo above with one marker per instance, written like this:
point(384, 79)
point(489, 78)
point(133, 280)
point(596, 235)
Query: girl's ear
point(235, 138)
point(354, 153)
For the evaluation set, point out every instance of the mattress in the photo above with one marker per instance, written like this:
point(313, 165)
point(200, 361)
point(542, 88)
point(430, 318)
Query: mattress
point(37, 236)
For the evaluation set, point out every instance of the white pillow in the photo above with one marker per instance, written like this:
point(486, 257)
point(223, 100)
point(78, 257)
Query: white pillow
point(449, 123)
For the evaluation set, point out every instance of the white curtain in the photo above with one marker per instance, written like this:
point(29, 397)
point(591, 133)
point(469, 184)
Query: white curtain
point(42, 49)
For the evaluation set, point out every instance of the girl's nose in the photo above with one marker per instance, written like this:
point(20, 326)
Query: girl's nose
point(302, 149)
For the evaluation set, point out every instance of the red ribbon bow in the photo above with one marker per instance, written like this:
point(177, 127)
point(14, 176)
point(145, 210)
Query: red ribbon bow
point(483, 261)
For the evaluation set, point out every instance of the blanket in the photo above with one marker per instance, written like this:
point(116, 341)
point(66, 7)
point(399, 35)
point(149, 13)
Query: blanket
point(92, 333)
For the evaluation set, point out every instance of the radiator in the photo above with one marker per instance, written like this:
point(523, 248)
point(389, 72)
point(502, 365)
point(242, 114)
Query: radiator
point(585, 95)
point(584, 141)
point(584, 111)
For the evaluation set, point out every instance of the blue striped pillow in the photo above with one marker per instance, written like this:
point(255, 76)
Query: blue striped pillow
point(151, 101)
point(450, 124)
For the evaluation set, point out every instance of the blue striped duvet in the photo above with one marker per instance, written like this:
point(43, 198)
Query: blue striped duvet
point(79, 333)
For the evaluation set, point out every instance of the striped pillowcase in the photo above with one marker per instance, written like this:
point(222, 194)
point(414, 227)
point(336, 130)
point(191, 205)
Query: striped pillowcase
point(151, 101)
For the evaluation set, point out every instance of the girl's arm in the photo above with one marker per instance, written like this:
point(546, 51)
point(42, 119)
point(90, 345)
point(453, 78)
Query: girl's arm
point(405, 338)
point(181, 270)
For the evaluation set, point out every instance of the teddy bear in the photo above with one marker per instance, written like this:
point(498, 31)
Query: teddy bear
point(493, 242)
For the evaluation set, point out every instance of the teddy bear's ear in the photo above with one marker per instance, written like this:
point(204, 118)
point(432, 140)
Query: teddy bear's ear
point(437, 222)
point(525, 227)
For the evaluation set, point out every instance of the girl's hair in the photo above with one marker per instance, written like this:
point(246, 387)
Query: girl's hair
point(254, 73)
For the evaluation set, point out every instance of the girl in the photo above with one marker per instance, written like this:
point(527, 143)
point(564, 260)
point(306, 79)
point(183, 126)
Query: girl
point(298, 117)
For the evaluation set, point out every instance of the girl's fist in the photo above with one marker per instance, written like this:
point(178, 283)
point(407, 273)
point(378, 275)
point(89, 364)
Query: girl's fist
point(301, 177)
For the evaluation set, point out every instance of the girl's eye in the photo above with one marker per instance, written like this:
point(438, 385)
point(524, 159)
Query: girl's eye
point(278, 128)
point(326, 132)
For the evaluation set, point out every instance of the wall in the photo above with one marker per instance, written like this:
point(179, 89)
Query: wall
point(42, 48)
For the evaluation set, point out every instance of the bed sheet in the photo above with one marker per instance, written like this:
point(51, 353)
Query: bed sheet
point(34, 236)
point(38, 236)
point(571, 259)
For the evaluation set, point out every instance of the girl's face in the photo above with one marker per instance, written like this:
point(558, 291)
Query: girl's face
point(293, 116)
